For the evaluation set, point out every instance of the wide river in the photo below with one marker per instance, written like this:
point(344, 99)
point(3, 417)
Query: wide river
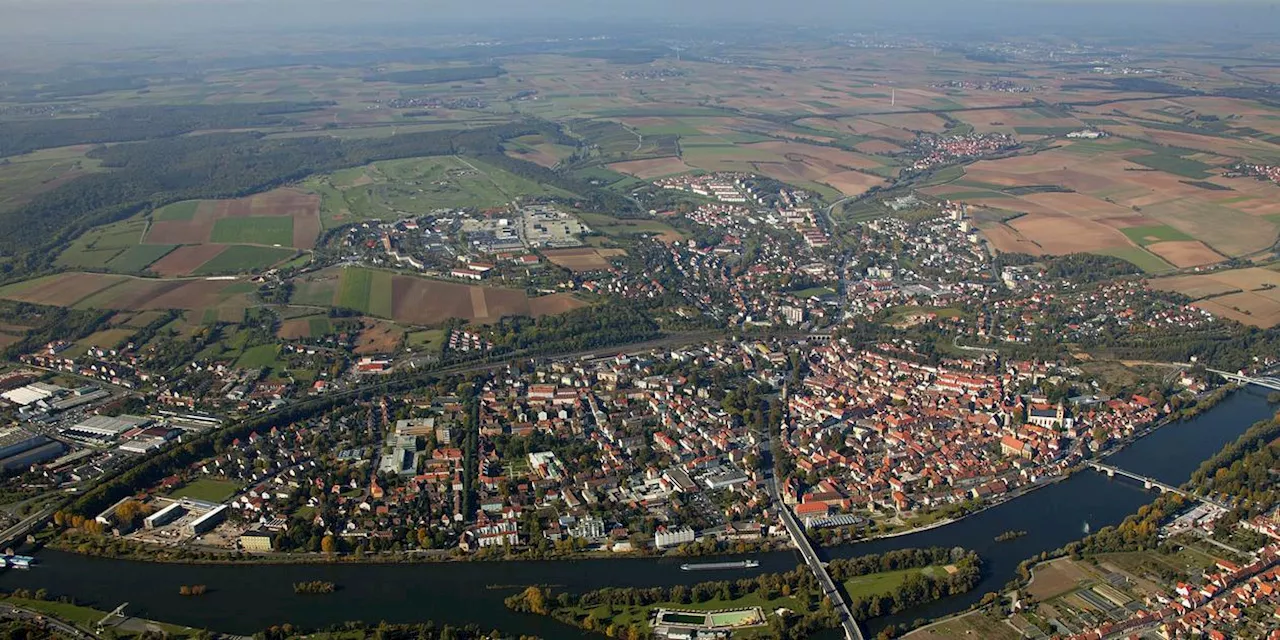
point(247, 598)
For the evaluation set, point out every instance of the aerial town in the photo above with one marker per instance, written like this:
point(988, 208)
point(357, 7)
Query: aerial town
point(674, 332)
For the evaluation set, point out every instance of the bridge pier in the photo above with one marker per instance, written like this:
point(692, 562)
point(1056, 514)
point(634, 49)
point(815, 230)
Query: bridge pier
point(1146, 484)
point(1111, 473)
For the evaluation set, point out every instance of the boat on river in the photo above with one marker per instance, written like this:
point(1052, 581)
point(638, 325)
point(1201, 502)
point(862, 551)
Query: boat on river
point(18, 562)
point(712, 566)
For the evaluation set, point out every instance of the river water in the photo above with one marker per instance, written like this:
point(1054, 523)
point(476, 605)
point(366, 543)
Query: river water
point(247, 598)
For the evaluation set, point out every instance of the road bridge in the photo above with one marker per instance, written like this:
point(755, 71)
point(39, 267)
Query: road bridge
point(850, 626)
point(1265, 382)
point(17, 533)
point(1151, 483)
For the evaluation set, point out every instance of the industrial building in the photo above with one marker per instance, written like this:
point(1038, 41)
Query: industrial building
point(673, 537)
point(207, 521)
point(256, 540)
point(20, 449)
point(164, 516)
point(104, 428)
point(32, 393)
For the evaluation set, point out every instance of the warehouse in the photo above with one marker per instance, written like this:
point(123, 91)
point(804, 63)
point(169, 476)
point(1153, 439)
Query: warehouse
point(34, 392)
point(20, 449)
point(164, 516)
point(207, 521)
point(103, 428)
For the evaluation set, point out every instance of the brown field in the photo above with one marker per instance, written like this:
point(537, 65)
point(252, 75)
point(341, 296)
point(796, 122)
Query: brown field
point(1231, 223)
point(295, 328)
point(1007, 240)
point(1185, 253)
point(554, 304)
point(98, 291)
point(421, 301)
point(650, 169)
point(304, 208)
point(535, 155)
point(1056, 578)
point(378, 337)
point(62, 290)
point(1246, 308)
point(185, 259)
point(1250, 296)
point(877, 146)
point(1062, 234)
point(584, 259)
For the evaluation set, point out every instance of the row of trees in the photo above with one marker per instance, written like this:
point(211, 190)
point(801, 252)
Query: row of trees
point(596, 610)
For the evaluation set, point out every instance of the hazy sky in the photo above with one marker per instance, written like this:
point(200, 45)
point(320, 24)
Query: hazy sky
point(138, 18)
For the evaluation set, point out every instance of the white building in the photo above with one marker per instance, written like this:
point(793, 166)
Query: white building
point(673, 537)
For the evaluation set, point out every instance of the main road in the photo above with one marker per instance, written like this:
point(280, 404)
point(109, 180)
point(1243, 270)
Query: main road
point(829, 589)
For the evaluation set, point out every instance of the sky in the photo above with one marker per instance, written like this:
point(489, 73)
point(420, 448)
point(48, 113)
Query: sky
point(142, 18)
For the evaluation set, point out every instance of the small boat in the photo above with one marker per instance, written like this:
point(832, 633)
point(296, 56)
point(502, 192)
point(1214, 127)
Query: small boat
point(712, 566)
point(19, 562)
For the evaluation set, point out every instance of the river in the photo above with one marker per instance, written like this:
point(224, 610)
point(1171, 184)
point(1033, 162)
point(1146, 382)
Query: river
point(247, 598)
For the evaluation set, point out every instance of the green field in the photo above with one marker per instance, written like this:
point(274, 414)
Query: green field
point(389, 190)
point(1175, 164)
point(178, 211)
point(356, 286)
point(25, 176)
point(99, 246)
point(813, 291)
point(272, 230)
point(429, 340)
point(87, 618)
point(207, 490)
point(881, 583)
point(136, 258)
point(319, 326)
point(612, 226)
point(241, 258)
point(260, 357)
point(1143, 259)
point(1144, 236)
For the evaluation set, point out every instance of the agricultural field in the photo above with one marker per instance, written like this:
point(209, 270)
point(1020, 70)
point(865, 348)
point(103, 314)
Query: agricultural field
point(305, 327)
point(420, 301)
point(104, 291)
point(1116, 197)
point(538, 150)
point(584, 259)
point(1250, 296)
point(204, 237)
point(26, 176)
point(284, 217)
point(396, 189)
point(622, 227)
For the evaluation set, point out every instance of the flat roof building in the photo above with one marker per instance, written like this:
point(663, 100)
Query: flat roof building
point(208, 521)
point(106, 428)
point(164, 516)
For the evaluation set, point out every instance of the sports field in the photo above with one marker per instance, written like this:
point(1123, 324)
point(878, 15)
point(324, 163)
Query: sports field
point(207, 489)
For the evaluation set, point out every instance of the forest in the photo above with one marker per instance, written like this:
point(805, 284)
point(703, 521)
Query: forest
point(143, 123)
point(229, 165)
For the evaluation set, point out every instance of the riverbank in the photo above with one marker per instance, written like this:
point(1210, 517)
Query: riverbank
point(72, 541)
point(460, 593)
